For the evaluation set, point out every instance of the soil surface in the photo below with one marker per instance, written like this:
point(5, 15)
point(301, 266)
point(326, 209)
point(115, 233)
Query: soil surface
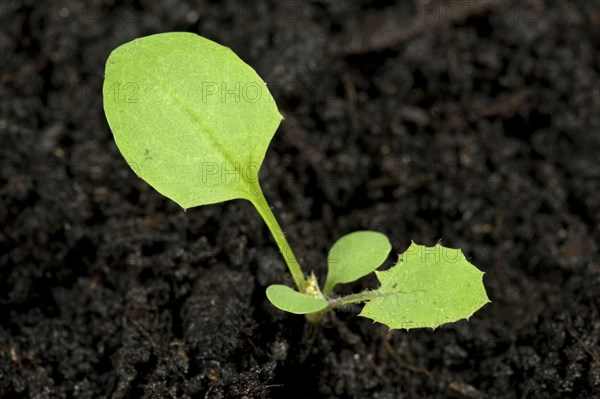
point(475, 123)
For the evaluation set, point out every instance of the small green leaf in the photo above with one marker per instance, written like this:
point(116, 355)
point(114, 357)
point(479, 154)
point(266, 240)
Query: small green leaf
point(190, 118)
point(289, 300)
point(429, 286)
point(355, 255)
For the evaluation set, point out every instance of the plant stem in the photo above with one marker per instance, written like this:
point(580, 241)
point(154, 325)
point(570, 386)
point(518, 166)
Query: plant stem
point(315, 318)
point(360, 297)
point(353, 298)
point(262, 206)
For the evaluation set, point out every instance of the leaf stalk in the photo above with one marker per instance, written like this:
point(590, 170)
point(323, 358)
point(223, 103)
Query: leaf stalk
point(262, 206)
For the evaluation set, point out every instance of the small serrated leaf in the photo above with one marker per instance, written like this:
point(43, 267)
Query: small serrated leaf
point(289, 300)
point(355, 255)
point(428, 287)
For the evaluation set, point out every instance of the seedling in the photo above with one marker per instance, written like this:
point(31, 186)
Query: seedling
point(194, 121)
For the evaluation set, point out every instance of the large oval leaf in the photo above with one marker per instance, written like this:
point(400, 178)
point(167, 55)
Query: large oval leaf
point(428, 287)
point(191, 118)
point(355, 255)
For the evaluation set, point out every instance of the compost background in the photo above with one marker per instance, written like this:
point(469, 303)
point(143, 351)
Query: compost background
point(475, 123)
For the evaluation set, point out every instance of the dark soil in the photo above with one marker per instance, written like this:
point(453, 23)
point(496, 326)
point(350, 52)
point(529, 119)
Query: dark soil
point(476, 124)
